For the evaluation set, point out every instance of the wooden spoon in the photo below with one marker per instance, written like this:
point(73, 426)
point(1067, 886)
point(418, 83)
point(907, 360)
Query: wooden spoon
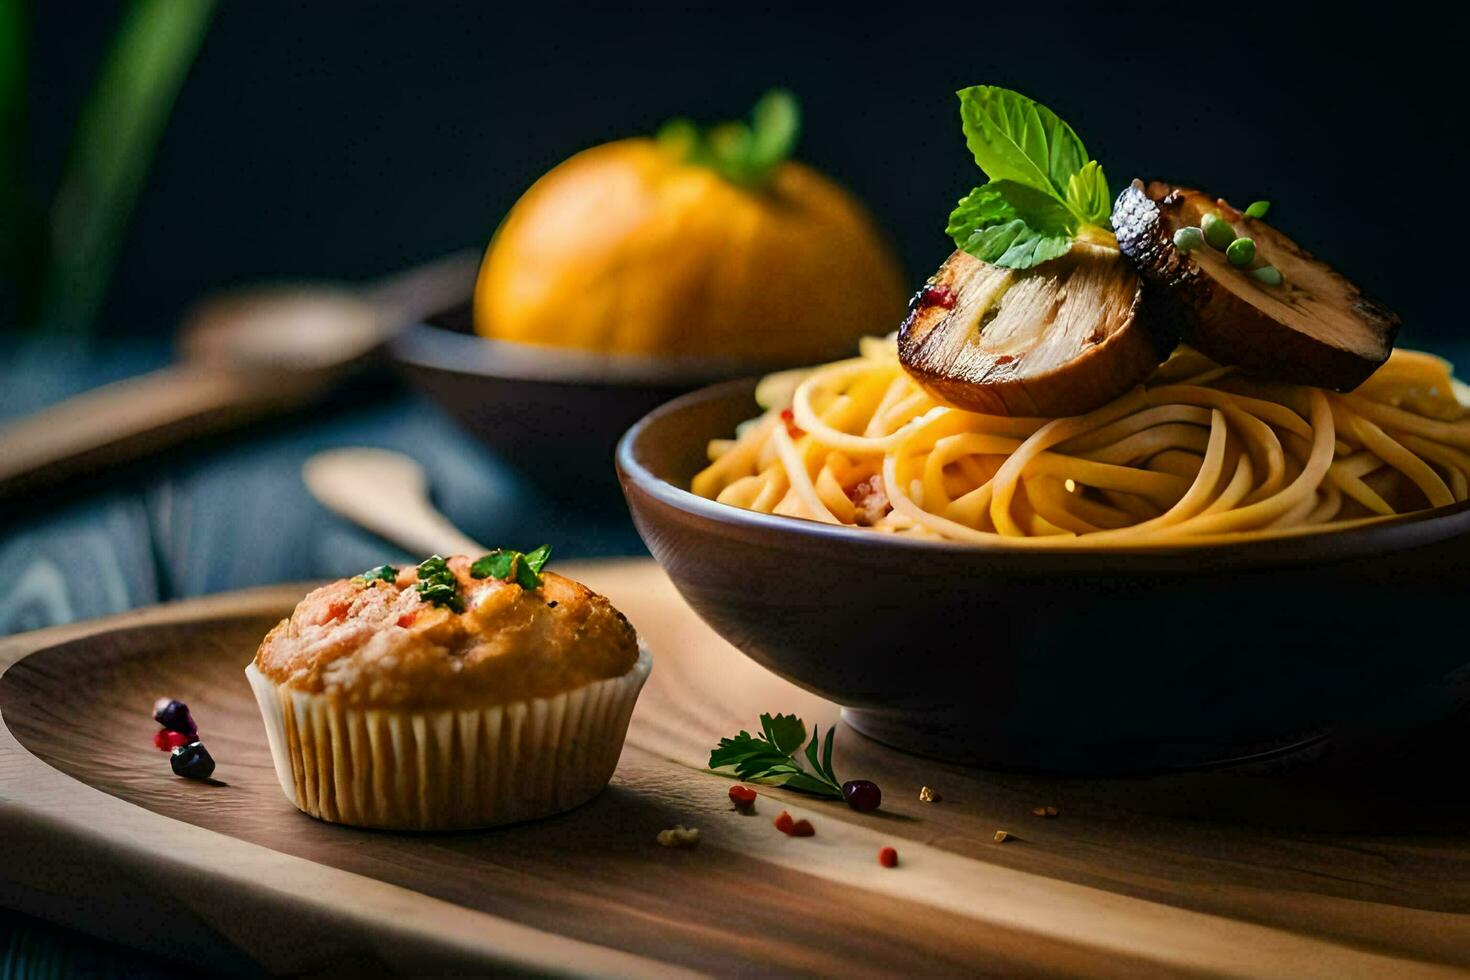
point(245, 355)
point(387, 493)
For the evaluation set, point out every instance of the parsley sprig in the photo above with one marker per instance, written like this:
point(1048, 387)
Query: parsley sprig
point(437, 584)
point(770, 757)
point(383, 573)
point(513, 566)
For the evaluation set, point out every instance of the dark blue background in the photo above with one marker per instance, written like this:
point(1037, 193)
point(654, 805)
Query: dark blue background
point(348, 139)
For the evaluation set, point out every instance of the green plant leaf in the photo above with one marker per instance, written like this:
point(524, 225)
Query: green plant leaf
point(1011, 225)
point(1088, 194)
point(1016, 245)
point(771, 756)
point(744, 154)
point(775, 125)
point(809, 784)
point(499, 563)
point(1015, 138)
point(537, 559)
point(785, 732)
point(119, 127)
point(982, 207)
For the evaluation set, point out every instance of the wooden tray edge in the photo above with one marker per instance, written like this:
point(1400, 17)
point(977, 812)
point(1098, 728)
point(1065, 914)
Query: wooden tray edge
point(277, 908)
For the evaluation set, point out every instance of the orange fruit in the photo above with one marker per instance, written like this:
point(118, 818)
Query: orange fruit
point(628, 248)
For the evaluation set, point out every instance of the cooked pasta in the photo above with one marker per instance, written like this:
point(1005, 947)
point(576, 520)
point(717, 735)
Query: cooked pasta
point(1199, 453)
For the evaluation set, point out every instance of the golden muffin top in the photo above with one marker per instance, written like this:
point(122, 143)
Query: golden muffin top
point(391, 642)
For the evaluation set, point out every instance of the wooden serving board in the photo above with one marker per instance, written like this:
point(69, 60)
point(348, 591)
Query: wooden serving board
point(1348, 865)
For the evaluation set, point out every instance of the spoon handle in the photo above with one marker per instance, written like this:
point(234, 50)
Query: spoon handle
point(387, 493)
point(127, 419)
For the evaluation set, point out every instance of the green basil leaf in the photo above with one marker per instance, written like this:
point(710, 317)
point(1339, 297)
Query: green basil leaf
point(1088, 195)
point(785, 732)
point(1015, 138)
point(1016, 245)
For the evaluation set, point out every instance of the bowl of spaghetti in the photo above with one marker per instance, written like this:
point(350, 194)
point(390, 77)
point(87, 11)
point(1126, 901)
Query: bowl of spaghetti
point(1208, 568)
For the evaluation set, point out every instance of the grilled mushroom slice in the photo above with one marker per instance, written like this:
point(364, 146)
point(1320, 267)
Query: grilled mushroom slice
point(1061, 338)
point(1313, 328)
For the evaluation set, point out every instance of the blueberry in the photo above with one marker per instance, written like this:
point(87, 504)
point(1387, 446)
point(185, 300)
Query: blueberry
point(862, 795)
point(174, 715)
point(192, 761)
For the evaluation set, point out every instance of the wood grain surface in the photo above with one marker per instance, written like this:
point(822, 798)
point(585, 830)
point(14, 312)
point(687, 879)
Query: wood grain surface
point(1352, 863)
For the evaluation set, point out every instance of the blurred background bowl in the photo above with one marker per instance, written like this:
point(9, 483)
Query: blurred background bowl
point(1075, 662)
point(555, 414)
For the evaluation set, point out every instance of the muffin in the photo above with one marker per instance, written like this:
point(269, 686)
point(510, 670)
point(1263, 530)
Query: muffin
point(448, 696)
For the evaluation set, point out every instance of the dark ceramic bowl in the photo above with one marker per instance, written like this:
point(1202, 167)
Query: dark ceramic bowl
point(555, 414)
point(1067, 661)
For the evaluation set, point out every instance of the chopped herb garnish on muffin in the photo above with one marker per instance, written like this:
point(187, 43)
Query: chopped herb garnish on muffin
point(436, 584)
point(383, 573)
point(513, 566)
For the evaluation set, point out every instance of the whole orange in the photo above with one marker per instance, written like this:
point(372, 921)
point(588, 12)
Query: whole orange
point(627, 248)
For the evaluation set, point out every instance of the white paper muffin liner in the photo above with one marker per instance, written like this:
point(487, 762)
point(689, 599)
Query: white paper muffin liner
point(445, 770)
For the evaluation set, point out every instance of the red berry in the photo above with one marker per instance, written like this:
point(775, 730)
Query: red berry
point(166, 740)
point(742, 796)
point(803, 828)
point(862, 795)
point(888, 857)
point(784, 823)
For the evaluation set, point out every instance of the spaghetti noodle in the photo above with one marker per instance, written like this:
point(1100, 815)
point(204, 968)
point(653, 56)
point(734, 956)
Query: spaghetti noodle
point(1198, 453)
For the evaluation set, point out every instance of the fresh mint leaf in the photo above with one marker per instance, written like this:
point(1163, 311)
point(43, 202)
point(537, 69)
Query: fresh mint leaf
point(1043, 189)
point(1016, 245)
point(982, 207)
point(1088, 194)
point(1015, 138)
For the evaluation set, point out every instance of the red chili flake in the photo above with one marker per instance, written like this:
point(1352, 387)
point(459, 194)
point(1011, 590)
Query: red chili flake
point(1004, 359)
point(743, 797)
point(166, 741)
point(406, 620)
point(803, 828)
point(784, 823)
point(940, 295)
point(888, 857)
point(869, 500)
point(792, 429)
